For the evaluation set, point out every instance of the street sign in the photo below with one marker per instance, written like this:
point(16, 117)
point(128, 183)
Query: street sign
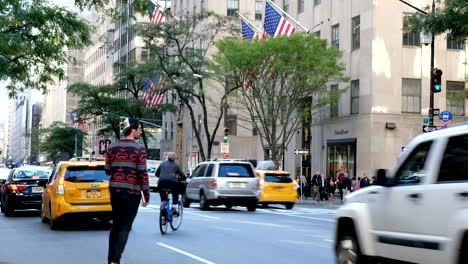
point(301, 151)
point(427, 128)
point(436, 111)
point(224, 147)
point(445, 117)
point(426, 120)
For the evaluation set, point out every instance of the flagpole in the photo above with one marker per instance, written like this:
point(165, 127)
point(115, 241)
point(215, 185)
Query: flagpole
point(250, 23)
point(290, 17)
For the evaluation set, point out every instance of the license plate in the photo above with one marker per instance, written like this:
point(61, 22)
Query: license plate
point(93, 194)
point(237, 185)
point(37, 189)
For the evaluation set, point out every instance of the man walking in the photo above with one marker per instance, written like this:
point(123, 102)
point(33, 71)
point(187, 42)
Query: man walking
point(316, 184)
point(126, 165)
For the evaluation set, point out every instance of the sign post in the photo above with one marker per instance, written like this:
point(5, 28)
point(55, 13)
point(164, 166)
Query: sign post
point(301, 152)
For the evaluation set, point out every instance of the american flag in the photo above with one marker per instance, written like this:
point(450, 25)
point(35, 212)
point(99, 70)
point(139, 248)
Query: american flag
point(150, 95)
point(80, 124)
point(155, 13)
point(275, 24)
point(247, 31)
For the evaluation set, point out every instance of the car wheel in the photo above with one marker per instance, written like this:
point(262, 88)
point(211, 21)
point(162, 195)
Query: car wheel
point(252, 207)
point(186, 201)
point(289, 206)
point(347, 251)
point(43, 218)
point(204, 205)
point(9, 210)
point(53, 224)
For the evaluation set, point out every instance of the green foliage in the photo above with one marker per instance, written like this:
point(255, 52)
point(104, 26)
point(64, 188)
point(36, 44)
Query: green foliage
point(287, 79)
point(60, 139)
point(450, 16)
point(179, 49)
point(35, 38)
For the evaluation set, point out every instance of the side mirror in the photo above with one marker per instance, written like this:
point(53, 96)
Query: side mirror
point(382, 178)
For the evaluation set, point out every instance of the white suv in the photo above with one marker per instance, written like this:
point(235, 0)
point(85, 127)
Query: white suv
point(419, 211)
point(223, 182)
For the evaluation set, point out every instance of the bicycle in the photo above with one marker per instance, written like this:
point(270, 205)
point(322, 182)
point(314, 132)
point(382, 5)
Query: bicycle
point(166, 215)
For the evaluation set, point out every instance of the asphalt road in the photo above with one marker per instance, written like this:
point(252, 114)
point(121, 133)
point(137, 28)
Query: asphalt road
point(269, 235)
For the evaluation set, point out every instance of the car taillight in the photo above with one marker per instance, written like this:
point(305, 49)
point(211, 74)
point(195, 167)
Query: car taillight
point(17, 187)
point(260, 184)
point(60, 189)
point(213, 183)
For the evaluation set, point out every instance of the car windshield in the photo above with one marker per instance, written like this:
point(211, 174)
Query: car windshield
point(278, 178)
point(86, 174)
point(236, 170)
point(31, 174)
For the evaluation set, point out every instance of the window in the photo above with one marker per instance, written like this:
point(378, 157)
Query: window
point(199, 171)
point(286, 6)
point(412, 170)
point(411, 96)
point(334, 104)
point(355, 97)
point(172, 130)
point(233, 7)
point(456, 98)
point(454, 163)
point(231, 121)
point(209, 172)
point(165, 131)
point(300, 6)
point(316, 2)
point(236, 170)
point(410, 37)
point(455, 44)
point(258, 10)
point(336, 36)
point(31, 174)
point(278, 177)
point(86, 174)
point(356, 33)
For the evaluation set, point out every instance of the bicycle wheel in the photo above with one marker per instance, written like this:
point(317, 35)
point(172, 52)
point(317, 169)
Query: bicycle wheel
point(163, 221)
point(177, 219)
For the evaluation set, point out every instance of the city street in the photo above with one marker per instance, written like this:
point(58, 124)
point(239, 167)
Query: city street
point(269, 235)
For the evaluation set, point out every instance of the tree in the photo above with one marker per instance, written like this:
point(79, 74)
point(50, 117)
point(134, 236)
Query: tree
point(450, 17)
point(180, 49)
point(35, 37)
point(123, 98)
point(285, 81)
point(61, 139)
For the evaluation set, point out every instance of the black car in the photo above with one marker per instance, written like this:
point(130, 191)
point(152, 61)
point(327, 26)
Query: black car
point(23, 189)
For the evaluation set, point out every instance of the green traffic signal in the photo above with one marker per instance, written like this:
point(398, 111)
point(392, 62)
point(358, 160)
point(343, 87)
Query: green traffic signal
point(438, 87)
point(226, 139)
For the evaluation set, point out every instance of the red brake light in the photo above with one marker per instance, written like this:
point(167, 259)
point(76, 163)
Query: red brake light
point(35, 177)
point(17, 187)
point(213, 183)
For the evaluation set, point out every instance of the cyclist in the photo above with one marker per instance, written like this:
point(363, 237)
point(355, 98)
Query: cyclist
point(170, 175)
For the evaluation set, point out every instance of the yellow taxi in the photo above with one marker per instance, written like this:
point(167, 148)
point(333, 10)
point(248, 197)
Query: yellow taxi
point(277, 187)
point(76, 189)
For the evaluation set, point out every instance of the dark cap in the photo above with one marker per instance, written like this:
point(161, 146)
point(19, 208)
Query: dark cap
point(130, 123)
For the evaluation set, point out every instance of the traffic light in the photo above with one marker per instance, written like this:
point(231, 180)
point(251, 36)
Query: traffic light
point(93, 154)
point(121, 126)
point(437, 81)
point(226, 134)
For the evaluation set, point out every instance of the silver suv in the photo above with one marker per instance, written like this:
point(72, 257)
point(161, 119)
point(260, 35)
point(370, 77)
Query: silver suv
point(223, 182)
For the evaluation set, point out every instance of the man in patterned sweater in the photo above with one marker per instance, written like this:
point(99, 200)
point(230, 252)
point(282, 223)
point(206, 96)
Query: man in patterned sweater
point(126, 165)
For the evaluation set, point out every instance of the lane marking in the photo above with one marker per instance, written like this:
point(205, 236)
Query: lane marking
point(298, 216)
point(328, 240)
point(259, 223)
point(209, 217)
point(202, 260)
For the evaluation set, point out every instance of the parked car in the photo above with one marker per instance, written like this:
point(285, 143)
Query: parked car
point(23, 189)
point(277, 187)
point(418, 213)
point(77, 189)
point(223, 182)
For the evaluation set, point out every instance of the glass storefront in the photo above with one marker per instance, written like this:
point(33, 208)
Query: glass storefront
point(341, 153)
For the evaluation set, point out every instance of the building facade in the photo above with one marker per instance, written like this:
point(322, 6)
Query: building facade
point(36, 114)
point(387, 98)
